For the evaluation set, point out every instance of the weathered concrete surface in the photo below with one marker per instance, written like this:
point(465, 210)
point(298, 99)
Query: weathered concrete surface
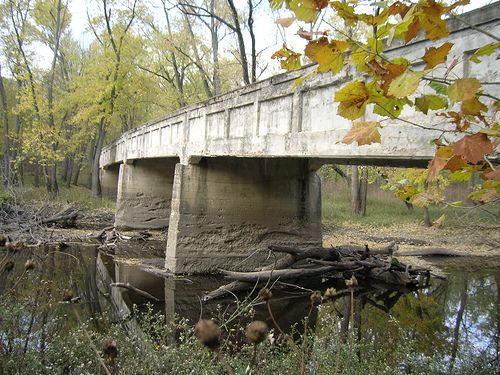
point(225, 209)
point(109, 181)
point(144, 193)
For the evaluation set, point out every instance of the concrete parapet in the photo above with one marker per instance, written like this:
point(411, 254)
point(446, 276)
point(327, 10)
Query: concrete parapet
point(144, 193)
point(225, 210)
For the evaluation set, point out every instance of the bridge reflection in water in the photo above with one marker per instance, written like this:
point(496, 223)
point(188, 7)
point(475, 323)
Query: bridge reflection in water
point(448, 314)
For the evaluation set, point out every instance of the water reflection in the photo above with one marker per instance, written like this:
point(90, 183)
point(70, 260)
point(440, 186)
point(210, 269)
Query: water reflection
point(454, 317)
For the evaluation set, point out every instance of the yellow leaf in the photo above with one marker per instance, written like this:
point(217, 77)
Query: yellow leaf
point(473, 107)
point(288, 59)
point(345, 11)
point(353, 98)
point(431, 20)
point(435, 56)
point(439, 222)
point(328, 55)
point(463, 89)
point(307, 10)
point(363, 132)
point(405, 84)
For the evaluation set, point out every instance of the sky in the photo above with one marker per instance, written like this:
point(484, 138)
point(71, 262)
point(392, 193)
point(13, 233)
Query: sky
point(269, 39)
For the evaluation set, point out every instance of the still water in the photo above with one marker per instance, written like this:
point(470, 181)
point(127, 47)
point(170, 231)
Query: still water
point(458, 314)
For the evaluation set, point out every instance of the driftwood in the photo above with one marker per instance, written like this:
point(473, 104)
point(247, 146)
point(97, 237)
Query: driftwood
point(66, 217)
point(342, 260)
point(270, 276)
point(135, 290)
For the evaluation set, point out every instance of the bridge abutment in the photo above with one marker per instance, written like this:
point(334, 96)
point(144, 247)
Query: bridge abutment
point(226, 209)
point(144, 193)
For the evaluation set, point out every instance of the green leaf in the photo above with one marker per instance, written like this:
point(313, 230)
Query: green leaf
point(434, 102)
point(440, 88)
point(486, 50)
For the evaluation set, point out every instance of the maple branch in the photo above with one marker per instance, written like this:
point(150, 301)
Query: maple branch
point(389, 114)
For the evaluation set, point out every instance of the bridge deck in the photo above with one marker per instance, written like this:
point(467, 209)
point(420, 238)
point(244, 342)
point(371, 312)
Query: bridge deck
point(272, 118)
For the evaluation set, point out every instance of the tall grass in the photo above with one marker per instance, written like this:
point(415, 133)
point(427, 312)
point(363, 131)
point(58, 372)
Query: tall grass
point(383, 210)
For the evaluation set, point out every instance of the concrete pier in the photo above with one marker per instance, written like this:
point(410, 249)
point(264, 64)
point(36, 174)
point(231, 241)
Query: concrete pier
point(144, 193)
point(225, 209)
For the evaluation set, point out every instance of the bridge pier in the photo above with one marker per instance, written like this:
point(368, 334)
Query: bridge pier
point(144, 193)
point(226, 209)
point(109, 181)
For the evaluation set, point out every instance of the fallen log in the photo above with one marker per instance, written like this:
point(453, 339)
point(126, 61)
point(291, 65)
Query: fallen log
point(333, 253)
point(270, 276)
point(66, 217)
point(238, 286)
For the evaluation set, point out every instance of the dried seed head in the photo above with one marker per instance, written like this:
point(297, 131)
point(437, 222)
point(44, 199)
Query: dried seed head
point(67, 295)
point(110, 348)
point(265, 294)
point(208, 333)
point(3, 240)
point(29, 265)
point(352, 282)
point(256, 331)
point(315, 297)
point(9, 266)
point(330, 293)
point(14, 246)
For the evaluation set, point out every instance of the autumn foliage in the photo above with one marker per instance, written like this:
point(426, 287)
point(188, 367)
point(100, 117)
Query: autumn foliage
point(386, 85)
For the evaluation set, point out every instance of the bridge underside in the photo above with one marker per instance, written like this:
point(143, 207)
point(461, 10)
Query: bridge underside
point(220, 210)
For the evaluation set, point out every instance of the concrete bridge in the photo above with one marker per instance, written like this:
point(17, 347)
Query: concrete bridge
point(235, 173)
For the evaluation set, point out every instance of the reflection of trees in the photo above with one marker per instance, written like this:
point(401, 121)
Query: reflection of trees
point(458, 322)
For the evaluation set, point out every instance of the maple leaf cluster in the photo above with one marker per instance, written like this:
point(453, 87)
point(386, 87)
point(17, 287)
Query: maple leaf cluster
point(391, 84)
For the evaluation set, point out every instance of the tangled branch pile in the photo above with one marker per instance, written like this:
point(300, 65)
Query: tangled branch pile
point(337, 262)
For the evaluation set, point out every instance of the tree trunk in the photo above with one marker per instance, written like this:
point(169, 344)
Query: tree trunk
point(64, 174)
point(6, 148)
point(54, 186)
point(96, 183)
point(215, 51)
point(241, 42)
point(37, 175)
point(355, 198)
point(77, 174)
point(363, 191)
point(69, 172)
point(252, 38)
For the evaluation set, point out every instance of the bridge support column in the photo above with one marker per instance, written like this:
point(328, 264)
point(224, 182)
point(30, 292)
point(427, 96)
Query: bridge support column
point(109, 181)
point(225, 210)
point(144, 194)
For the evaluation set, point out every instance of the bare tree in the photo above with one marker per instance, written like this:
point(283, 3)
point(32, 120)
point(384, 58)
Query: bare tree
point(249, 72)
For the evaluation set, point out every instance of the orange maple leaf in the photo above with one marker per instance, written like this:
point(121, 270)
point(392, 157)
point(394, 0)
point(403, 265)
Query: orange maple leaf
point(473, 147)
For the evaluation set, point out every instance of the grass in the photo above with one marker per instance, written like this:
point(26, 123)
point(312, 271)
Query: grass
point(77, 195)
point(384, 210)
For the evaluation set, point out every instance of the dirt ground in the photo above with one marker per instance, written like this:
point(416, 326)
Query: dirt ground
point(477, 242)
